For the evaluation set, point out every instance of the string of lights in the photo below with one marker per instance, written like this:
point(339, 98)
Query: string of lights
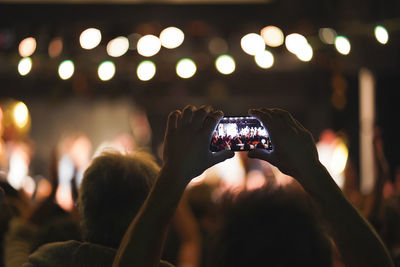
point(257, 45)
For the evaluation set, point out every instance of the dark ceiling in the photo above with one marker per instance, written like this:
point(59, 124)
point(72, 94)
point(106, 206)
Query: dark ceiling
point(355, 19)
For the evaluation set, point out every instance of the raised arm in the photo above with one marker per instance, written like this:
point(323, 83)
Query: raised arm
point(295, 154)
point(186, 155)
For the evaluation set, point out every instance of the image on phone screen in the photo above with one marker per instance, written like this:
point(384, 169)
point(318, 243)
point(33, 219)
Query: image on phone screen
point(240, 134)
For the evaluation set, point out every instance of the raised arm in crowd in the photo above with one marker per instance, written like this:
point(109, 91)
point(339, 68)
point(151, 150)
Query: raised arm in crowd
point(187, 155)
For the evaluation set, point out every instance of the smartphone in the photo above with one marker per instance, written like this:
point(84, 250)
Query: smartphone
point(240, 134)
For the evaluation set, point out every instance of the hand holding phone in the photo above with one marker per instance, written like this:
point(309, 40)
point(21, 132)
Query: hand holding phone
point(240, 134)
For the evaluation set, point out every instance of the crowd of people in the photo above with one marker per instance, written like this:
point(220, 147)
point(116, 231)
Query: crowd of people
point(240, 142)
point(131, 212)
point(238, 136)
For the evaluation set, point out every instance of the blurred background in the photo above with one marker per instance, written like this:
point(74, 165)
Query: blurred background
point(79, 76)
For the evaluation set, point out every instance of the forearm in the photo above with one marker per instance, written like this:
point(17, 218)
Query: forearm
point(142, 243)
point(357, 242)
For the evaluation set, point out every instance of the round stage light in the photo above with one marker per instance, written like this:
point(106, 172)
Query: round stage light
point(252, 43)
point(66, 69)
point(295, 42)
point(146, 70)
point(55, 47)
point(27, 47)
point(306, 53)
point(327, 35)
point(118, 46)
point(171, 37)
point(24, 66)
point(272, 35)
point(264, 59)
point(20, 114)
point(381, 34)
point(148, 45)
point(225, 64)
point(106, 70)
point(342, 45)
point(185, 68)
point(90, 38)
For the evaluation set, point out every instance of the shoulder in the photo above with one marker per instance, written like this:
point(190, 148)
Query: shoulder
point(53, 254)
point(74, 253)
point(71, 253)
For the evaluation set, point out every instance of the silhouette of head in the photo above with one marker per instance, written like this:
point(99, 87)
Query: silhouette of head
point(274, 226)
point(113, 189)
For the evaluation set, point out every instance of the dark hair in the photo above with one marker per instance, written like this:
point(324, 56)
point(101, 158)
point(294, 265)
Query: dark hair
point(113, 189)
point(274, 226)
point(9, 208)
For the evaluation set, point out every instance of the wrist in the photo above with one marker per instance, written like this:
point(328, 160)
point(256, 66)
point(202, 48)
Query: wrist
point(166, 192)
point(318, 183)
point(173, 176)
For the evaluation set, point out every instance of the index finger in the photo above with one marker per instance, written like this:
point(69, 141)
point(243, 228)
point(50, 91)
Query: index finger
point(172, 121)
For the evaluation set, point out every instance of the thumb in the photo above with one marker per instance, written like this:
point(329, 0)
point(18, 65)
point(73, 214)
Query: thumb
point(222, 156)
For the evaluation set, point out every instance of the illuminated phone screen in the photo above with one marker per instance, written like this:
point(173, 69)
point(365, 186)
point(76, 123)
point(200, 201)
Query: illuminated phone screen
point(240, 134)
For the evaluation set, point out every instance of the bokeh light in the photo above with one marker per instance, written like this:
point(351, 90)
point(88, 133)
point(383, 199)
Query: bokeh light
point(171, 37)
point(20, 114)
point(339, 158)
point(327, 35)
point(18, 168)
point(342, 45)
point(65, 170)
point(225, 64)
point(118, 46)
point(29, 186)
point(55, 47)
point(27, 47)
point(106, 70)
point(1, 125)
point(295, 42)
point(64, 197)
point(185, 68)
point(333, 154)
point(264, 59)
point(146, 70)
point(148, 45)
point(66, 69)
point(2, 146)
point(43, 189)
point(24, 66)
point(381, 34)
point(90, 38)
point(306, 53)
point(273, 36)
point(252, 43)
